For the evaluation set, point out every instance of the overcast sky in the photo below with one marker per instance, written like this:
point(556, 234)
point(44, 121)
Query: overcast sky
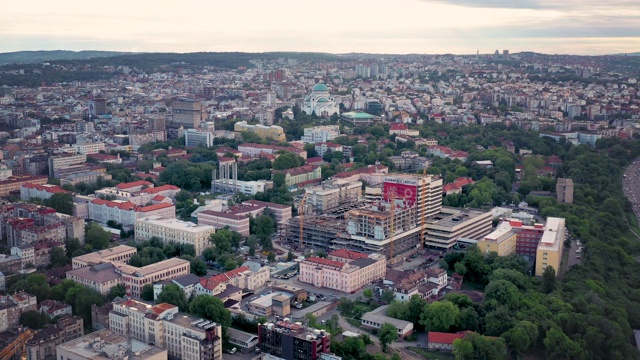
point(336, 26)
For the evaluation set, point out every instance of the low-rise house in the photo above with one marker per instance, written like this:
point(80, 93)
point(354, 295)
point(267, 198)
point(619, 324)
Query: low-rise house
point(53, 308)
point(376, 318)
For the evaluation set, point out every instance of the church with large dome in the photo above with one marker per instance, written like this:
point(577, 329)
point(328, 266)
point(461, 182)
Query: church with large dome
point(320, 102)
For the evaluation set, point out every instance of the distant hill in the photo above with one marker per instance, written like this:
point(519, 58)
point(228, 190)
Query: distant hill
point(630, 54)
point(29, 57)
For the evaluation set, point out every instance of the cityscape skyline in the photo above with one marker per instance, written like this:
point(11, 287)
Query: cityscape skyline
point(418, 26)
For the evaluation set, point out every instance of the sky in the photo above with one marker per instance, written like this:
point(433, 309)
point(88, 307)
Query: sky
point(583, 27)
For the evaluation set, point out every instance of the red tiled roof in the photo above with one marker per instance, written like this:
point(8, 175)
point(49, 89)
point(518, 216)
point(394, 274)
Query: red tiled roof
point(158, 189)
point(348, 254)
point(121, 205)
point(159, 198)
point(133, 184)
point(54, 189)
point(443, 338)
point(212, 282)
point(154, 207)
point(398, 126)
point(327, 262)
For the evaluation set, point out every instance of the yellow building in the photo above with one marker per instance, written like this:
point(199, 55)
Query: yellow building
point(551, 244)
point(502, 240)
point(265, 132)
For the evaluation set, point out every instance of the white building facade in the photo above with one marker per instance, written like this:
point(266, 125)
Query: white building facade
point(320, 102)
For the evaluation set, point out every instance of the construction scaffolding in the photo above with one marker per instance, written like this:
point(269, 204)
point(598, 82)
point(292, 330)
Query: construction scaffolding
point(334, 196)
point(320, 231)
point(366, 230)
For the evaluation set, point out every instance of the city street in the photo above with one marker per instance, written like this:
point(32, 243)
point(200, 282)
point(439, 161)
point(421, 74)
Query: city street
point(631, 186)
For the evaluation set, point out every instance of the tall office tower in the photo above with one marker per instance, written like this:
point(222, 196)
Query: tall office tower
point(271, 99)
point(564, 191)
point(99, 106)
point(157, 123)
point(409, 188)
point(186, 112)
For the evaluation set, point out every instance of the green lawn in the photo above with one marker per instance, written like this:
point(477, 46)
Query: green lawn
point(432, 355)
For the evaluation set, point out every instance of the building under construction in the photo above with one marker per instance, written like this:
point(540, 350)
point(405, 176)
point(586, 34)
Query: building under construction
point(322, 232)
point(334, 196)
point(366, 230)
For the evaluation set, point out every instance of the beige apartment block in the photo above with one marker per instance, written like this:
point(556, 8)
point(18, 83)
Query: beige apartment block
point(174, 231)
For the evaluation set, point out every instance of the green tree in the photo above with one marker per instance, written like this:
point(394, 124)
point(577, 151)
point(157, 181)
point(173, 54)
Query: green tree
point(271, 257)
point(147, 292)
point(265, 226)
point(368, 293)
point(346, 306)
point(81, 299)
point(521, 337)
point(463, 349)
point(72, 245)
point(460, 268)
point(172, 294)
point(279, 179)
point(210, 308)
point(97, 237)
point(469, 319)
point(33, 319)
point(387, 334)
point(560, 347)
point(34, 284)
point(388, 296)
point(440, 316)
point(549, 279)
point(58, 257)
point(198, 267)
point(117, 291)
point(290, 256)
point(287, 161)
point(62, 202)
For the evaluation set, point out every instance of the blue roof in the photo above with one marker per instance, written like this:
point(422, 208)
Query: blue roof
point(320, 87)
point(322, 99)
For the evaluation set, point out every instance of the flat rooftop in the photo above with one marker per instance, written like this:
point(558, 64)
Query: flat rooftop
point(503, 229)
point(552, 237)
point(108, 345)
point(106, 253)
point(266, 301)
point(451, 217)
point(175, 224)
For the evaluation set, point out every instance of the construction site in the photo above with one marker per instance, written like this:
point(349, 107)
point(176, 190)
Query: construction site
point(394, 224)
point(334, 196)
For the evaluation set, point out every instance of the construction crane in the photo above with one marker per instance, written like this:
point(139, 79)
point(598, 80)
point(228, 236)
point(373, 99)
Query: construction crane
point(17, 344)
point(424, 206)
point(393, 230)
point(301, 212)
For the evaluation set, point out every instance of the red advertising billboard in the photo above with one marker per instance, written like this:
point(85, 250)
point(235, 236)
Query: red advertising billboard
point(409, 193)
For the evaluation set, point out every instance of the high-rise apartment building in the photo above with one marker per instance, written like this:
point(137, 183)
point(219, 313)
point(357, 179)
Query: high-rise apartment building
point(423, 192)
point(186, 112)
point(564, 191)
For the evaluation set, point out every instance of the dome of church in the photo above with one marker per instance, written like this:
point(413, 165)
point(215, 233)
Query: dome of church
point(320, 87)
